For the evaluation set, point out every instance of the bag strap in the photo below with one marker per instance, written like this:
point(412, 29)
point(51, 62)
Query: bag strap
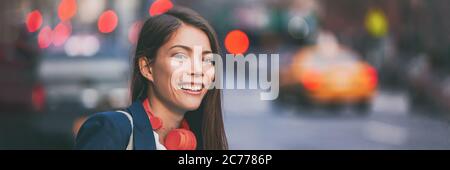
point(130, 141)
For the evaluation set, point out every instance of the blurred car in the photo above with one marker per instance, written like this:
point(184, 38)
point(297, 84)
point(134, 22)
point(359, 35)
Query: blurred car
point(329, 74)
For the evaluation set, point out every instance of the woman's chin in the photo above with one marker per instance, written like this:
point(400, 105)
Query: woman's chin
point(190, 106)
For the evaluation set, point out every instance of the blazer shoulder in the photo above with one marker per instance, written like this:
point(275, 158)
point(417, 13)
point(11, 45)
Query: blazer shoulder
point(104, 130)
point(115, 117)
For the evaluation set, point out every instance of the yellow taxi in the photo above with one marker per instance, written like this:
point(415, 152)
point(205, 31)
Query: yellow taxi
point(331, 73)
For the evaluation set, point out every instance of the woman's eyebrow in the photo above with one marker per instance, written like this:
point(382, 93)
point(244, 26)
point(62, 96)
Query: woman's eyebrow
point(181, 46)
point(189, 49)
point(207, 52)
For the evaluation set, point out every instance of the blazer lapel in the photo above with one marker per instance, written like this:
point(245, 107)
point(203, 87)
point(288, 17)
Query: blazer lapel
point(143, 133)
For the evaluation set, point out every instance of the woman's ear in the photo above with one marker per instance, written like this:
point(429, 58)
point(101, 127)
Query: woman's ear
point(145, 68)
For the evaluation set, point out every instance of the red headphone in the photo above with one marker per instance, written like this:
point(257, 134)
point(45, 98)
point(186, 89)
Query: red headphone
point(177, 139)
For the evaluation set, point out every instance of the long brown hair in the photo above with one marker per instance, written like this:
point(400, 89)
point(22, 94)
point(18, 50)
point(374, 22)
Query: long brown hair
point(206, 121)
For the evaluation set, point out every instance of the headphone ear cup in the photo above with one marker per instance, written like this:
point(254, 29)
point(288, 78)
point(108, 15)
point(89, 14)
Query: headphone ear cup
point(173, 140)
point(191, 142)
point(180, 139)
point(183, 139)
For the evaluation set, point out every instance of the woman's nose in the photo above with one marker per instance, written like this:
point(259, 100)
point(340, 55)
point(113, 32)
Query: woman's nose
point(196, 67)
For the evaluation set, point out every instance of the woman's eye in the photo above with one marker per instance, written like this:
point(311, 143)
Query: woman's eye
point(180, 56)
point(209, 61)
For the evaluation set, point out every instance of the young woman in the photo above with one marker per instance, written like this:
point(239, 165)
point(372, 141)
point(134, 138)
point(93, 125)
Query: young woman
point(172, 108)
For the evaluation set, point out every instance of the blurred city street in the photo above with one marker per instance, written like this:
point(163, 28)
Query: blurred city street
point(353, 74)
point(255, 124)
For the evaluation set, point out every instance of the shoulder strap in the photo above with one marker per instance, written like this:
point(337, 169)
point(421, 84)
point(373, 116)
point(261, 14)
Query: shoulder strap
point(130, 141)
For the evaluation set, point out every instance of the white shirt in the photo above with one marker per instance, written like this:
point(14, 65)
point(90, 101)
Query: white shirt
point(159, 146)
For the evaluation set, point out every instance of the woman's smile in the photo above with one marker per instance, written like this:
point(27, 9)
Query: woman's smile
point(191, 88)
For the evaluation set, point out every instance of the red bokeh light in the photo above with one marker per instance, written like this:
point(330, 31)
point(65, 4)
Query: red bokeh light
point(159, 7)
point(373, 77)
point(45, 37)
point(38, 97)
point(61, 33)
point(67, 9)
point(107, 22)
point(237, 42)
point(34, 21)
point(133, 33)
point(311, 79)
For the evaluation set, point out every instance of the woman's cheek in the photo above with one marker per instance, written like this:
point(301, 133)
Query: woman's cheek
point(176, 63)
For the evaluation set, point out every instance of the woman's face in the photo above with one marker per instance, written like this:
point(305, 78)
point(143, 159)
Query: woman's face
point(183, 69)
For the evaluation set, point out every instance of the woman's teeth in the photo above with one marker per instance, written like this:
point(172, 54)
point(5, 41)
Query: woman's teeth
point(193, 87)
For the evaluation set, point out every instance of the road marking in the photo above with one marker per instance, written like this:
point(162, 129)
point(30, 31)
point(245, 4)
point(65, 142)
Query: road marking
point(385, 133)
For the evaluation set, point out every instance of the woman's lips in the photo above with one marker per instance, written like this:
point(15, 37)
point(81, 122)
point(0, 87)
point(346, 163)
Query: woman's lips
point(191, 88)
point(191, 92)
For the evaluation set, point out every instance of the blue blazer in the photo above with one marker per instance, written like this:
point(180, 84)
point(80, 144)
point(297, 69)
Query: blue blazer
point(112, 130)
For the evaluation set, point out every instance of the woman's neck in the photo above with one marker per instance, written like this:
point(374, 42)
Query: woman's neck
point(170, 116)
